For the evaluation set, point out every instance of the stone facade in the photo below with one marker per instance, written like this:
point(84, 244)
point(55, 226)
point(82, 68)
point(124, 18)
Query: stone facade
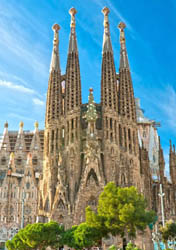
point(21, 160)
point(57, 172)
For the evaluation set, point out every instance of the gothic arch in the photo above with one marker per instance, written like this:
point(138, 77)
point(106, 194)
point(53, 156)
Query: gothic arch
point(61, 205)
point(46, 207)
point(123, 179)
point(92, 201)
point(41, 203)
point(92, 178)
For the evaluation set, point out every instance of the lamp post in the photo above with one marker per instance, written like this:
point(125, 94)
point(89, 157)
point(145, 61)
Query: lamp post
point(22, 211)
point(161, 194)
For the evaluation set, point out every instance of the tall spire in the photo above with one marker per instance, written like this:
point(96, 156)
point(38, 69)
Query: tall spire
point(54, 95)
point(123, 52)
point(73, 82)
point(107, 46)
point(73, 42)
point(55, 64)
point(126, 107)
point(108, 74)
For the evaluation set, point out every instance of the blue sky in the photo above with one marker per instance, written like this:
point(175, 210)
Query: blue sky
point(26, 45)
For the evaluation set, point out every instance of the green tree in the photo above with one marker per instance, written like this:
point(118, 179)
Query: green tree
point(37, 236)
point(168, 231)
point(69, 239)
point(86, 236)
point(17, 244)
point(112, 247)
point(120, 211)
point(81, 236)
point(131, 246)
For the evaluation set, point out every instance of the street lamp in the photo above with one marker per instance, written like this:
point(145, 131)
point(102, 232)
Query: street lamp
point(22, 210)
point(161, 194)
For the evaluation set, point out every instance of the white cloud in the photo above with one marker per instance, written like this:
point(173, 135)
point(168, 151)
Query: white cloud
point(168, 106)
point(16, 87)
point(37, 101)
point(16, 40)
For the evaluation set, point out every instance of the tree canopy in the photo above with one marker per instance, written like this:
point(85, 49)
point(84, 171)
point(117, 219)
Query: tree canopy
point(120, 211)
point(131, 246)
point(81, 236)
point(168, 231)
point(37, 236)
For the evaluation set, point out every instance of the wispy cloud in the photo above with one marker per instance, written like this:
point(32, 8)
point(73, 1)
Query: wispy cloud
point(7, 76)
point(15, 38)
point(168, 106)
point(20, 117)
point(39, 102)
point(19, 88)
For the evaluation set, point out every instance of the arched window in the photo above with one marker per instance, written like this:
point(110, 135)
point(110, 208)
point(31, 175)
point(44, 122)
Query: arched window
point(92, 178)
point(27, 185)
point(120, 135)
point(34, 160)
point(60, 205)
point(3, 160)
point(92, 201)
point(123, 179)
point(19, 161)
point(46, 208)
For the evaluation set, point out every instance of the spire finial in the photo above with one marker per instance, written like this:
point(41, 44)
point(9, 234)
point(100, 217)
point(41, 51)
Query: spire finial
point(72, 42)
point(56, 28)
point(106, 38)
point(36, 124)
point(6, 124)
point(11, 156)
point(122, 26)
point(55, 65)
point(72, 12)
point(123, 52)
point(106, 11)
point(21, 124)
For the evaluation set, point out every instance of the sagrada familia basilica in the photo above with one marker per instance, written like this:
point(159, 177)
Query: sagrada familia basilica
point(55, 173)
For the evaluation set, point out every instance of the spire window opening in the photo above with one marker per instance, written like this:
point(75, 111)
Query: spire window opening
point(19, 161)
point(110, 123)
point(52, 137)
point(72, 123)
point(57, 133)
point(125, 137)
point(3, 160)
point(34, 160)
point(111, 137)
point(72, 137)
point(120, 135)
point(129, 134)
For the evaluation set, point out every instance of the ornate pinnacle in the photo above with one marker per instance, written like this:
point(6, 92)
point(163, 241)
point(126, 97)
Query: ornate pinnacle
point(72, 12)
point(122, 26)
point(106, 11)
point(36, 124)
point(91, 114)
point(11, 156)
point(56, 27)
point(21, 124)
point(6, 124)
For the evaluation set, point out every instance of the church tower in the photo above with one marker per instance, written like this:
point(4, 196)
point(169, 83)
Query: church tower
point(88, 145)
point(53, 123)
